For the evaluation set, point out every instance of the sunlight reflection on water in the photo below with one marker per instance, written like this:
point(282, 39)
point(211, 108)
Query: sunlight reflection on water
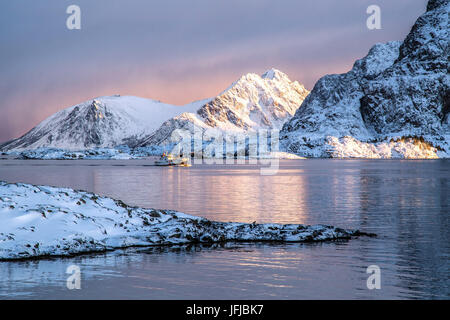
point(405, 202)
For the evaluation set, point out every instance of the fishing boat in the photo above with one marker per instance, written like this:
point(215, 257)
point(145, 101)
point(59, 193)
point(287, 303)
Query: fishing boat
point(170, 160)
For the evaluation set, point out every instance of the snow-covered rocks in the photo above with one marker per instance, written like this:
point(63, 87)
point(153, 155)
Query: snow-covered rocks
point(398, 89)
point(401, 148)
point(333, 107)
point(412, 96)
point(42, 221)
point(62, 154)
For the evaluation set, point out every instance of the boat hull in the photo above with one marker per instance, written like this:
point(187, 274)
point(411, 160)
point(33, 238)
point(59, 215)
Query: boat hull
point(173, 162)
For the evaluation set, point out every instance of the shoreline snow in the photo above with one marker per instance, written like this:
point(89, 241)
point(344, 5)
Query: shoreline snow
point(122, 154)
point(43, 221)
point(334, 148)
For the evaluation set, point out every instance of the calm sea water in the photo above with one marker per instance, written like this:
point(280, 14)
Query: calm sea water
point(407, 203)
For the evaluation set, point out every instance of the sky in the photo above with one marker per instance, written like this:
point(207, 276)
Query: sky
point(175, 51)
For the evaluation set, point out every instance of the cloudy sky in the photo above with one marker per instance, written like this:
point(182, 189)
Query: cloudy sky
point(175, 51)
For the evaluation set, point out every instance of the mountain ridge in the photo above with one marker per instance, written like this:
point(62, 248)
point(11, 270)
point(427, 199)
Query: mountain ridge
point(252, 102)
point(106, 122)
point(97, 123)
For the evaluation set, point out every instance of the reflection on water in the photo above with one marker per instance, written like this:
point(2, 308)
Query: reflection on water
point(405, 202)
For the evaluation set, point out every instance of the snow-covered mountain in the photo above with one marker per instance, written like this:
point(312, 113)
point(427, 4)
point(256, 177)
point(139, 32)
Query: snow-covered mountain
point(398, 93)
point(395, 102)
point(99, 123)
point(253, 102)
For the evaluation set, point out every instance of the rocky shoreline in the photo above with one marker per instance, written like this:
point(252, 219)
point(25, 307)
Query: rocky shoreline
point(43, 221)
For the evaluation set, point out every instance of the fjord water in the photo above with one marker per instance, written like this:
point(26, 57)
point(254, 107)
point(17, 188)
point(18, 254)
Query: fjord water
point(407, 203)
